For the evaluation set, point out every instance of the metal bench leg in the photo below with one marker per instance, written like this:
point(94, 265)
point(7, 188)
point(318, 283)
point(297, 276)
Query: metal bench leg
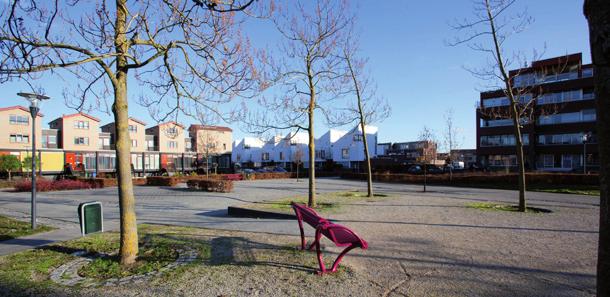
point(319, 252)
point(345, 251)
point(300, 221)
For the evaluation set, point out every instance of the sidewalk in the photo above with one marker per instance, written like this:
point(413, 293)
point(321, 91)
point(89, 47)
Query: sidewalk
point(15, 245)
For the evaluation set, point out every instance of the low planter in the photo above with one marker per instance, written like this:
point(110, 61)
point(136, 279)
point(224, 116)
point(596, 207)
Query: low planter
point(162, 181)
point(210, 185)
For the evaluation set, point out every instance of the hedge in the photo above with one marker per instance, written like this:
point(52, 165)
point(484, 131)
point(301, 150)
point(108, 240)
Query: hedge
point(210, 185)
point(164, 181)
point(534, 178)
point(45, 185)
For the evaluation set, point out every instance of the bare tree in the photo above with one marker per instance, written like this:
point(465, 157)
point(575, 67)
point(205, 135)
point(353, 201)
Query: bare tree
point(597, 13)
point(178, 49)
point(368, 108)
point(490, 22)
point(451, 133)
point(307, 74)
point(297, 157)
point(427, 136)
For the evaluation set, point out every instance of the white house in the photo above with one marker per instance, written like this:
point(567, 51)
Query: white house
point(343, 147)
point(248, 150)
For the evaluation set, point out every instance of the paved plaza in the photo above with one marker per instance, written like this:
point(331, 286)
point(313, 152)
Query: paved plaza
point(421, 244)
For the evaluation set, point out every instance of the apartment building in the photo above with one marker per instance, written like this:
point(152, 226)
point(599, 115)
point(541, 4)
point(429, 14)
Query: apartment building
point(17, 128)
point(215, 139)
point(168, 137)
point(77, 132)
point(137, 135)
point(562, 123)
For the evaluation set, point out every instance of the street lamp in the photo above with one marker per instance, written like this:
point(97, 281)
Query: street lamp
point(585, 138)
point(34, 99)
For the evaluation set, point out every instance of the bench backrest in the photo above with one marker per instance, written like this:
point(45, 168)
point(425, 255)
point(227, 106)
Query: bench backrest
point(308, 215)
point(343, 236)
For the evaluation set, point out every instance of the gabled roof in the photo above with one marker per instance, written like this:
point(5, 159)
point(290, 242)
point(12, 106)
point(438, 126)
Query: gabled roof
point(18, 107)
point(138, 121)
point(208, 127)
point(81, 114)
point(171, 122)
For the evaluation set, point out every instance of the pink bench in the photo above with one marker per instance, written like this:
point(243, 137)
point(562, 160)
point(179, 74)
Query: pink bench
point(340, 235)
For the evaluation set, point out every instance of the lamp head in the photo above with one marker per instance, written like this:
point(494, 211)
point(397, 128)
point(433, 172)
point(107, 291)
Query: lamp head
point(34, 99)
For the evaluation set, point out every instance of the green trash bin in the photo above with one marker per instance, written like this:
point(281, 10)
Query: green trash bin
point(91, 217)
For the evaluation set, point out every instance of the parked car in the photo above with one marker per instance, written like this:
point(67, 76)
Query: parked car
point(248, 171)
point(279, 169)
point(415, 169)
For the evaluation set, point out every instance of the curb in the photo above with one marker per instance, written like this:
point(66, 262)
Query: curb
point(241, 212)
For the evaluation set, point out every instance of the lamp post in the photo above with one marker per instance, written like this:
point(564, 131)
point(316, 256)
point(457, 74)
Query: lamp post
point(585, 138)
point(34, 99)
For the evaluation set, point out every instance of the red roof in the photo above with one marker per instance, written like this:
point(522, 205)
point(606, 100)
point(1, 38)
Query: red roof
point(81, 114)
point(172, 122)
point(18, 107)
point(214, 128)
point(137, 121)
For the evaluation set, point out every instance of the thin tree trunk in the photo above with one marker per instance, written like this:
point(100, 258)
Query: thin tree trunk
point(129, 229)
point(513, 105)
point(598, 15)
point(312, 162)
point(369, 186)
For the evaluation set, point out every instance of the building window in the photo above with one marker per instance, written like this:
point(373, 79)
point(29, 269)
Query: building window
point(104, 143)
point(281, 156)
point(587, 72)
point(502, 160)
point(502, 140)
point(19, 138)
point(172, 130)
point(49, 141)
point(548, 161)
point(586, 115)
point(357, 137)
point(345, 153)
point(172, 144)
point(19, 120)
point(550, 139)
point(81, 140)
point(133, 128)
point(224, 146)
point(321, 154)
point(238, 158)
point(83, 125)
point(150, 144)
point(134, 143)
point(560, 97)
point(265, 157)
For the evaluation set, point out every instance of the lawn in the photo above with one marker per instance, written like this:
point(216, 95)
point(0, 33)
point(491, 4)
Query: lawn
point(229, 263)
point(327, 203)
point(11, 228)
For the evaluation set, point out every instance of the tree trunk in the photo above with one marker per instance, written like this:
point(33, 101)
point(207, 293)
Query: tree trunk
point(9, 175)
point(520, 156)
point(312, 162)
point(129, 229)
point(598, 15)
point(369, 172)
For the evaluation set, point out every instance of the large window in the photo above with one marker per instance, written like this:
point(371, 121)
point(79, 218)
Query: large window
point(281, 156)
point(81, 140)
point(501, 122)
point(357, 137)
point(19, 138)
point(586, 115)
point(523, 80)
point(19, 120)
point(320, 154)
point(502, 160)
point(106, 161)
point(172, 144)
point(587, 72)
point(83, 125)
point(133, 128)
point(265, 156)
point(560, 97)
point(570, 138)
point(502, 140)
point(134, 143)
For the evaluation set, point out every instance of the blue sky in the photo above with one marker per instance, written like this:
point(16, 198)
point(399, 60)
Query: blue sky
point(419, 75)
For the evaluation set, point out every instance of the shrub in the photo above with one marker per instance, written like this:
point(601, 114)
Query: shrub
point(164, 181)
point(211, 185)
point(45, 185)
